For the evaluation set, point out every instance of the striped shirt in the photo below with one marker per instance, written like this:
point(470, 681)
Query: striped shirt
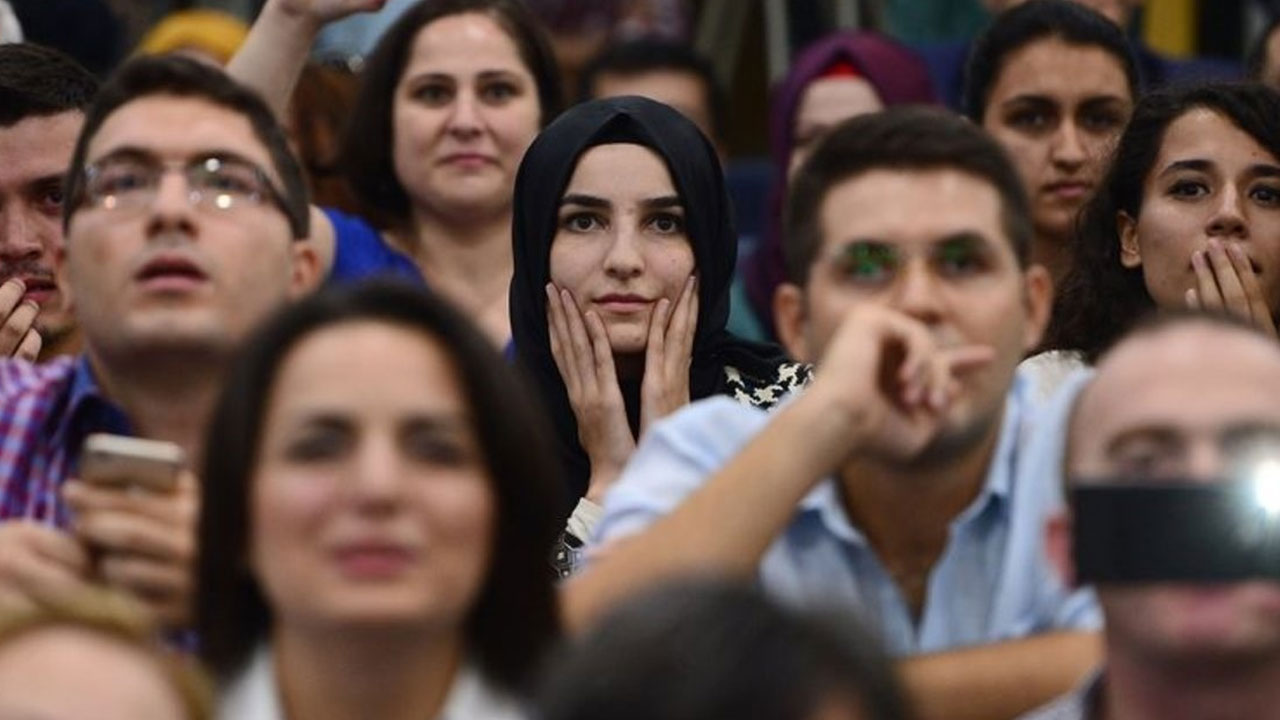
point(46, 411)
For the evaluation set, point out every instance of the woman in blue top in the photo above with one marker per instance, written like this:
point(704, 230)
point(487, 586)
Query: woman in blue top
point(449, 101)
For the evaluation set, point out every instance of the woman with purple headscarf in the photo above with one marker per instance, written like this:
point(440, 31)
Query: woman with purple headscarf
point(836, 78)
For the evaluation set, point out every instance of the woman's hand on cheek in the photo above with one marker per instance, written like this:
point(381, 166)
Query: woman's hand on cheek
point(580, 346)
point(1226, 282)
point(668, 356)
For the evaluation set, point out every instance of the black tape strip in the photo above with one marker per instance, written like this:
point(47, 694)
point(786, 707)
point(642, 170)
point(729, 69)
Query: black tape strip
point(1127, 532)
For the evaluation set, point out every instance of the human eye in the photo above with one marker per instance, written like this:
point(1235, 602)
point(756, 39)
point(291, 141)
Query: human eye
point(961, 257)
point(499, 91)
point(433, 93)
point(1187, 188)
point(1102, 121)
point(1031, 120)
point(49, 197)
point(667, 223)
point(319, 442)
point(868, 262)
point(120, 178)
point(1149, 458)
point(228, 178)
point(1265, 194)
point(582, 222)
point(435, 446)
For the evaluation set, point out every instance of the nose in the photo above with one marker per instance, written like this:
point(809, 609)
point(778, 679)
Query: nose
point(376, 475)
point(623, 260)
point(1205, 461)
point(1227, 220)
point(1068, 149)
point(19, 238)
point(465, 121)
point(172, 207)
point(916, 292)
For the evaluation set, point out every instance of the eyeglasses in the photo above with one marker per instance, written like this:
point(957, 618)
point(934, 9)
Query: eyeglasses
point(130, 182)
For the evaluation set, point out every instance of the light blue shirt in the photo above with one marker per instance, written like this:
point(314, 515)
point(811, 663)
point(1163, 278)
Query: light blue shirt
point(993, 581)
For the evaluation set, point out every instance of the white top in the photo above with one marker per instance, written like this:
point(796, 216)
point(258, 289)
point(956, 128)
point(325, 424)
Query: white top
point(254, 696)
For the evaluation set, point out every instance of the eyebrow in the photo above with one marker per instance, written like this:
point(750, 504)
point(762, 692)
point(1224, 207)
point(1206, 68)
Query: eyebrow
point(141, 154)
point(1158, 433)
point(1208, 166)
point(592, 201)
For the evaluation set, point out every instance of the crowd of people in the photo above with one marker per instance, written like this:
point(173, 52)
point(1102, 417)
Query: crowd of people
point(432, 394)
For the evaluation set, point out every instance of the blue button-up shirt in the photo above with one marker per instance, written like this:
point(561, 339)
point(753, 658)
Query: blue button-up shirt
point(993, 581)
point(46, 411)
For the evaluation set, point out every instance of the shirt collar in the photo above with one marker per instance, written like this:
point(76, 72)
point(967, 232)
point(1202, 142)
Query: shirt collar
point(88, 409)
point(824, 500)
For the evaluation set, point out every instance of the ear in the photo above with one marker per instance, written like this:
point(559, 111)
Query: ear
point(1058, 539)
point(1130, 251)
point(305, 274)
point(62, 277)
point(1037, 297)
point(790, 317)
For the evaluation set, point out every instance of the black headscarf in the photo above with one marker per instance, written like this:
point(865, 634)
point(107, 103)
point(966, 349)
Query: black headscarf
point(695, 170)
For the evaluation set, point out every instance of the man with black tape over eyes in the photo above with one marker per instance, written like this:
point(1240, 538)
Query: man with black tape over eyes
point(1173, 460)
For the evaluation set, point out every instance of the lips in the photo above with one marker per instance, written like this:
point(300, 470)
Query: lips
point(40, 288)
point(623, 303)
point(373, 559)
point(171, 272)
point(1069, 189)
point(467, 159)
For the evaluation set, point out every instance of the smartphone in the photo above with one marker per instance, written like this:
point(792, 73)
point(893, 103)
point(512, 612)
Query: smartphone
point(127, 462)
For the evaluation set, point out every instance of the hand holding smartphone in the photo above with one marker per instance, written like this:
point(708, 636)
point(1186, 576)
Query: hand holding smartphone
point(118, 461)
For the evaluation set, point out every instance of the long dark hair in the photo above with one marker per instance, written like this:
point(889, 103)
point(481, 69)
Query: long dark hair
point(369, 138)
point(1100, 298)
point(515, 617)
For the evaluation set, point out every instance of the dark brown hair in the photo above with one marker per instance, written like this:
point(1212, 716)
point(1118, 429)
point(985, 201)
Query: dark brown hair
point(1100, 298)
point(369, 141)
point(182, 77)
point(901, 138)
point(515, 617)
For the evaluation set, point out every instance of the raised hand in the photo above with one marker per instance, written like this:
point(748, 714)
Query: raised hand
point(146, 542)
point(668, 355)
point(890, 381)
point(580, 346)
point(1226, 282)
point(323, 11)
point(18, 336)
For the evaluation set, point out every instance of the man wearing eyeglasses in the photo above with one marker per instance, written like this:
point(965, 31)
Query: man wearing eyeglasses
point(1173, 460)
point(185, 225)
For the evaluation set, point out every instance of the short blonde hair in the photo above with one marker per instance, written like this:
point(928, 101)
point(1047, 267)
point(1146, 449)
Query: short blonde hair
point(115, 617)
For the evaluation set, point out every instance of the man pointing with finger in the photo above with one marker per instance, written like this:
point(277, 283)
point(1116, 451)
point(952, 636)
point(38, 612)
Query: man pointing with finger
point(896, 485)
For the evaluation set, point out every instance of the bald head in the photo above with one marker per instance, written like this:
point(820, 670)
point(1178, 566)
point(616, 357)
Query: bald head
point(1172, 400)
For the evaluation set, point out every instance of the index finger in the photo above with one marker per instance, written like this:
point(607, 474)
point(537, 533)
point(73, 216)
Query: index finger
point(11, 293)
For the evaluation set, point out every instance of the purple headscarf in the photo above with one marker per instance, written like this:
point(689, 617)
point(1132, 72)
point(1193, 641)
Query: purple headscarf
point(898, 76)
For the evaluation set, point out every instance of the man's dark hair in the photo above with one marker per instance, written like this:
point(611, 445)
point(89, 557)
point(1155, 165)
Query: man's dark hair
point(646, 55)
point(713, 650)
point(514, 618)
point(1100, 299)
point(177, 76)
point(1035, 20)
point(908, 139)
point(368, 143)
point(37, 81)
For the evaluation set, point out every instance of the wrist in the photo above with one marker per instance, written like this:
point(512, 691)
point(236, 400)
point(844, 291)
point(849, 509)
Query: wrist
point(290, 15)
point(832, 427)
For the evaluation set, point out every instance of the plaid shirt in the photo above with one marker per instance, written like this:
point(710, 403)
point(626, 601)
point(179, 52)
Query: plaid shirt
point(46, 411)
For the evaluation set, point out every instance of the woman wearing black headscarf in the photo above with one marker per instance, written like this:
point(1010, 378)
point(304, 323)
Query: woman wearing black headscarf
point(624, 254)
